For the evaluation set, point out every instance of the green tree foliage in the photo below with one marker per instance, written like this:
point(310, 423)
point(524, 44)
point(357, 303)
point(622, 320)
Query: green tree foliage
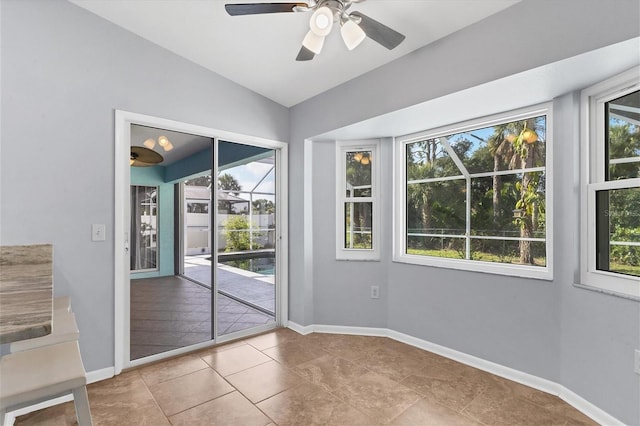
point(440, 206)
point(624, 204)
point(238, 235)
point(229, 183)
point(359, 185)
point(199, 181)
point(263, 206)
point(226, 182)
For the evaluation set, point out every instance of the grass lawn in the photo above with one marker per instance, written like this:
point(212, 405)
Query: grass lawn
point(475, 255)
point(490, 257)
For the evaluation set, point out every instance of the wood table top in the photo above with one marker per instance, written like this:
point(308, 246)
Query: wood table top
point(26, 291)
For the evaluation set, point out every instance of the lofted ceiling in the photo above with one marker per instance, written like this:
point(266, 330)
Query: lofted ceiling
point(259, 51)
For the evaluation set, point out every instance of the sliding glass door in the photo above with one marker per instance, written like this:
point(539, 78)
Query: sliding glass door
point(202, 239)
point(246, 233)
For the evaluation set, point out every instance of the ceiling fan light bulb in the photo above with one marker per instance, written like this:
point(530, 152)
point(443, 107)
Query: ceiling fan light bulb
point(168, 146)
point(321, 21)
point(163, 141)
point(313, 42)
point(352, 34)
point(149, 143)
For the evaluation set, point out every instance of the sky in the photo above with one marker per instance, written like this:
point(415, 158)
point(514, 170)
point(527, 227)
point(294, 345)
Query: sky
point(249, 175)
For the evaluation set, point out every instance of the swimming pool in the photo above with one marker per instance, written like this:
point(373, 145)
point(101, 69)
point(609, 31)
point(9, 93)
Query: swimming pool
point(259, 265)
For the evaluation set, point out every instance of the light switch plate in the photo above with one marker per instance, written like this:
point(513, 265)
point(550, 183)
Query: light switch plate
point(98, 231)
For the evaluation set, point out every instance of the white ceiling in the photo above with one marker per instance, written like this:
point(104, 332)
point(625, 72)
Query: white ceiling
point(258, 51)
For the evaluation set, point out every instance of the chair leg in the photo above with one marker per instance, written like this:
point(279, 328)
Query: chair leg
point(81, 402)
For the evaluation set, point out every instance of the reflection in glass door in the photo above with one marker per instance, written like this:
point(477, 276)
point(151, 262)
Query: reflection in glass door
point(196, 231)
point(246, 238)
point(144, 228)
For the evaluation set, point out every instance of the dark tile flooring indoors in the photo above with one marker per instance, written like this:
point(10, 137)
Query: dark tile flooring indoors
point(173, 312)
point(283, 378)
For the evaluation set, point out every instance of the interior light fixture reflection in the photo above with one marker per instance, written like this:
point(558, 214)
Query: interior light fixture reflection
point(164, 142)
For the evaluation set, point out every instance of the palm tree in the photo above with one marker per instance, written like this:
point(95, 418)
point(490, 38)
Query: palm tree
point(501, 149)
point(519, 152)
point(227, 182)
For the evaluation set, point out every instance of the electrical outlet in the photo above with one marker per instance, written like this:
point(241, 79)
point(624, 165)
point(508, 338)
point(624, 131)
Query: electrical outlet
point(636, 362)
point(375, 292)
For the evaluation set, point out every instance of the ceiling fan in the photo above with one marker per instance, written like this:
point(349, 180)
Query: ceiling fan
point(354, 26)
point(144, 157)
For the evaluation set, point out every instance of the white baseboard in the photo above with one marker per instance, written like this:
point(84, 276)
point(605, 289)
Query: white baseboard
point(92, 377)
point(99, 375)
point(544, 385)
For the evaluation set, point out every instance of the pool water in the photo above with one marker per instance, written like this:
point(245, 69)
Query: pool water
point(261, 265)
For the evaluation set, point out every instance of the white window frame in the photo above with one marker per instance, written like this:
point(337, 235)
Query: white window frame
point(400, 219)
point(342, 148)
point(592, 140)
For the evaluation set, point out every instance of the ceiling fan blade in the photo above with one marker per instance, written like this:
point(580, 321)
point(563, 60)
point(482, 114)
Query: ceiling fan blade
point(258, 8)
point(305, 54)
point(144, 157)
point(378, 32)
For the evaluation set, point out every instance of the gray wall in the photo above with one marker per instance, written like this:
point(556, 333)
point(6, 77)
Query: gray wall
point(581, 339)
point(64, 71)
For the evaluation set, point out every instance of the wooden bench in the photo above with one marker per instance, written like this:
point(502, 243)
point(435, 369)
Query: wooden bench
point(63, 329)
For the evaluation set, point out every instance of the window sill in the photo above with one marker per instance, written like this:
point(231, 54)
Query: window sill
point(611, 284)
point(519, 271)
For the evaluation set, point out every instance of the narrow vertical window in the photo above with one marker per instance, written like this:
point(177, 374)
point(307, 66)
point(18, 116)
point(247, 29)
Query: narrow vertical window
point(357, 166)
point(611, 190)
point(144, 228)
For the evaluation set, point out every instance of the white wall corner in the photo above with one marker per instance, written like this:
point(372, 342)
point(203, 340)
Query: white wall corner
point(300, 329)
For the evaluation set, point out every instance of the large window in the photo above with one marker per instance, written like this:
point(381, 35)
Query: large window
point(476, 195)
point(611, 191)
point(357, 230)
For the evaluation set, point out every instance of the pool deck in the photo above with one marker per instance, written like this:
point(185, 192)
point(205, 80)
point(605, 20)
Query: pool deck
point(255, 289)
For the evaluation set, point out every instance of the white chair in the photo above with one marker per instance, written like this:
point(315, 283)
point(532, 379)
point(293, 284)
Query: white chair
point(63, 329)
point(36, 375)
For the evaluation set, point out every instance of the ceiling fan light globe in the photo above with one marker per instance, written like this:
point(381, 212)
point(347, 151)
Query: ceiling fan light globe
point(149, 143)
point(168, 146)
point(313, 42)
point(163, 141)
point(352, 34)
point(321, 21)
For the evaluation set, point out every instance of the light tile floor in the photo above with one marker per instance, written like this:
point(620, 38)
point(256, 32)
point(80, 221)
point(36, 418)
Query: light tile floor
point(283, 378)
point(173, 312)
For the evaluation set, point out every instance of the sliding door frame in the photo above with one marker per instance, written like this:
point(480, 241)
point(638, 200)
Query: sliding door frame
point(122, 302)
